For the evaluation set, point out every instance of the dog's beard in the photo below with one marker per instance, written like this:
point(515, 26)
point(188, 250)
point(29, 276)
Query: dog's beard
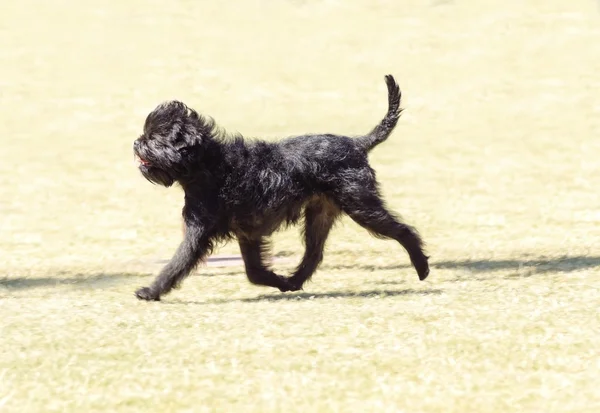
point(156, 175)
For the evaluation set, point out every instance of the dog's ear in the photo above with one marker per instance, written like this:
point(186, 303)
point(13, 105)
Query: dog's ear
point(200, 128)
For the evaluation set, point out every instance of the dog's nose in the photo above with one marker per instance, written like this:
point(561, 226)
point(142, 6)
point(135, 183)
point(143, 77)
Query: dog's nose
point(136, 143)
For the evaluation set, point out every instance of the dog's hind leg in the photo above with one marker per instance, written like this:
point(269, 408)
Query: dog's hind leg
point(367, 209)
point(254, 252)
point(319, 216)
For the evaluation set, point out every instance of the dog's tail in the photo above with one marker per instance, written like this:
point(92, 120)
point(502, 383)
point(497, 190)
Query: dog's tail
point(387, 124)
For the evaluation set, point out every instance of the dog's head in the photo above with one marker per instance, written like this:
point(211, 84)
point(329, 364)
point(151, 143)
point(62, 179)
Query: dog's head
point(172, 139)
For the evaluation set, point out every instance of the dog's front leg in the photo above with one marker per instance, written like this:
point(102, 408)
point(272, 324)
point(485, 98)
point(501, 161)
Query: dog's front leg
point(195, 246)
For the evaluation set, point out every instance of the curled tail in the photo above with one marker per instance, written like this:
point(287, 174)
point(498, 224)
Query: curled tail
point(387, 124)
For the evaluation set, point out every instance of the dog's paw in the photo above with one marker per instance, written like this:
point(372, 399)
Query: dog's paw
point(147, 294)
point(422, 267)
point(287, 285)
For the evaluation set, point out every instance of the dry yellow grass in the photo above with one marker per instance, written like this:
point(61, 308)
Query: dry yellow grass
point(495, 160)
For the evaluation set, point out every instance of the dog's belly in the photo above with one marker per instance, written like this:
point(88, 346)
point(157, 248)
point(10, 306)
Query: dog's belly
point(263, 223)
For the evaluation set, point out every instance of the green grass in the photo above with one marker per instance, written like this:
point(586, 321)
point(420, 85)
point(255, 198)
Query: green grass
point(495, 160)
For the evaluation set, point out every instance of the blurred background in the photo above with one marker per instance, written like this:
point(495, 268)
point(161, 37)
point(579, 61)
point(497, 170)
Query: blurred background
point(495, 159)
point(497, 147)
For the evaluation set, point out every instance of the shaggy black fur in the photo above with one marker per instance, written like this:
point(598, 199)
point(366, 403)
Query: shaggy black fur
point(248, 189)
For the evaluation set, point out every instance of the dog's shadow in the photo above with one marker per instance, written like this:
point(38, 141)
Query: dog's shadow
point(95, 281)
point(533, 266)
point(522, 268)
point(305, 296)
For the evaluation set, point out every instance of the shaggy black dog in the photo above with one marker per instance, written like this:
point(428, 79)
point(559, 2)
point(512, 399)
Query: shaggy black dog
point(248, 189)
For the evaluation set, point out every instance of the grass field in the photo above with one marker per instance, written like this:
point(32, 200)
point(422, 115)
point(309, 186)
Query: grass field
point(495, 160)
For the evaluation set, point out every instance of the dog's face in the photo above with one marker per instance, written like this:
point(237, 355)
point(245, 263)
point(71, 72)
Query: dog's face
point(172, 135)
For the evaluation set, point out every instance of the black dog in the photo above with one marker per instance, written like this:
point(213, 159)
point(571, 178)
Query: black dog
point(248, 189)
